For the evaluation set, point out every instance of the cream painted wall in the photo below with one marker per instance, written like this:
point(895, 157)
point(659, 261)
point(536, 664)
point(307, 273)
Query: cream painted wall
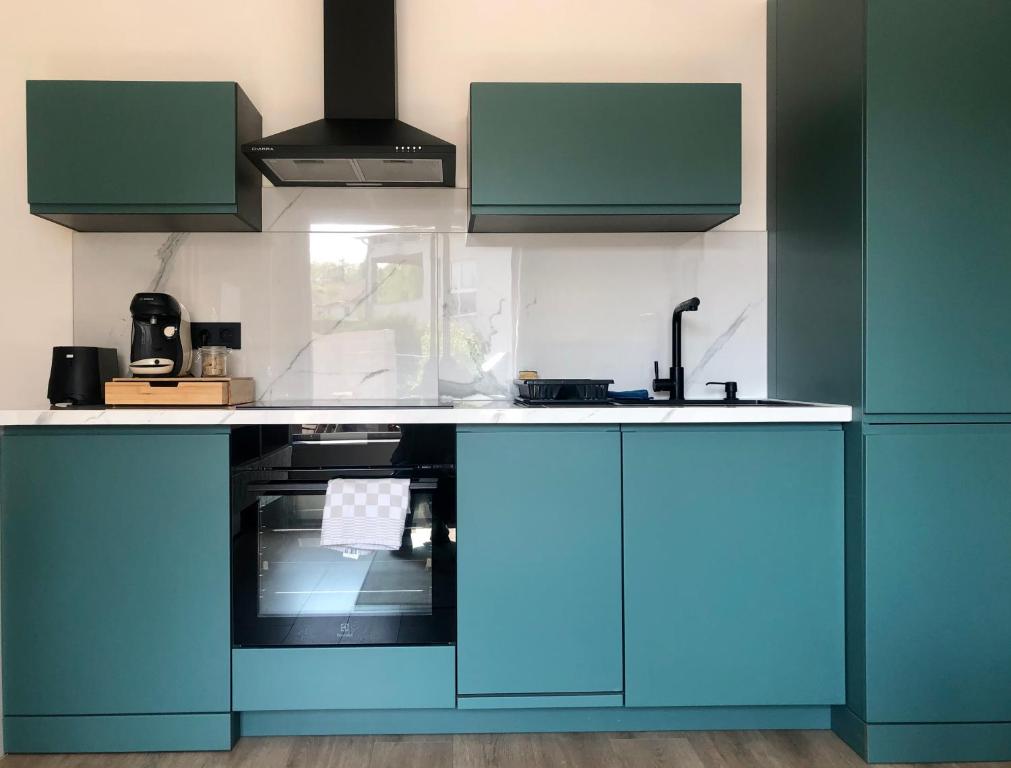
point(273, 48)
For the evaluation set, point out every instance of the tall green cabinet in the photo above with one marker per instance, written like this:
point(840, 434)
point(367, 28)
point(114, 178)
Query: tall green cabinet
point(890, 274)
point(116, 617)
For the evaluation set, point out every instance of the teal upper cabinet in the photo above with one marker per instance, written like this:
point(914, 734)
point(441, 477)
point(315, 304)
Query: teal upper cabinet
point(115, 575)
point(938, 206)
point(142, 156)
point(938, 551)
point(539, 563)
point(733, 566)
point(581, 157)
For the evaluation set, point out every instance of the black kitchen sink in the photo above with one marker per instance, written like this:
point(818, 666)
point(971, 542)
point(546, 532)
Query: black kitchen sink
point(664, 403)
point(707, 403)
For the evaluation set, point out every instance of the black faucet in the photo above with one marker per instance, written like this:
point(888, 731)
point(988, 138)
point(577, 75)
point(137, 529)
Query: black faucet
point(675, 384)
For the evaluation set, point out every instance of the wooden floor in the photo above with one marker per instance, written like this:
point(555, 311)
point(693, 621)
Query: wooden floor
point(727, 749)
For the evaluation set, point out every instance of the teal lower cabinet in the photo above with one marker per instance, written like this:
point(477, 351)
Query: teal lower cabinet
point(667, 578)
point(733, 557)
point(402, 677)
point(938, 528)
point(936, 645)
point(116, 612)
point(539, 565)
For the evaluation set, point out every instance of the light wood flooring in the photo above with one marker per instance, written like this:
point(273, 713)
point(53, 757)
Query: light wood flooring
point(723, 749)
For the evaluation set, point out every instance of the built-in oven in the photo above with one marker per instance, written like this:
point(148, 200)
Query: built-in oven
point(288, 590)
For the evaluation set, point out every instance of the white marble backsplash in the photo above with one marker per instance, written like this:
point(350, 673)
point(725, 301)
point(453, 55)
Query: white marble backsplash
point(407, 308)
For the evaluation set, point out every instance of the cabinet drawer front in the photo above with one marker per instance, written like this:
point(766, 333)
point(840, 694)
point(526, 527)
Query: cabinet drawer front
point(273, 679)
point(131, 143)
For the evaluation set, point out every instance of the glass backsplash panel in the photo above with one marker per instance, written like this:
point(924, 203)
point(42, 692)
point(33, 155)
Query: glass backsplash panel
point(329, 314)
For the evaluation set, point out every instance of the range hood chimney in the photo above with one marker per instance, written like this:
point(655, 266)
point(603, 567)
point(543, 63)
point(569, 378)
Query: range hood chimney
point(360, 142)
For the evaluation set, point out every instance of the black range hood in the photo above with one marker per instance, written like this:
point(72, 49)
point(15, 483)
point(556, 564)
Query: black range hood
point(360, 142)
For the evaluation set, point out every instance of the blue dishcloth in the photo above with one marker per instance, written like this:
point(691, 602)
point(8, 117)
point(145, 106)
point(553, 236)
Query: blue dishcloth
point(630, 394)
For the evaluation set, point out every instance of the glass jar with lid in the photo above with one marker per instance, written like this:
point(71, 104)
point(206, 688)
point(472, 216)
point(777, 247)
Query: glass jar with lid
point(212, 362)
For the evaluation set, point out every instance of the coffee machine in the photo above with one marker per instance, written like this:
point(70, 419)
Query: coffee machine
point(160, 343)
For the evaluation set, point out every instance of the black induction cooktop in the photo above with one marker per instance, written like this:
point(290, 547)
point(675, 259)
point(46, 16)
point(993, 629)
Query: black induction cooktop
point(347, 404)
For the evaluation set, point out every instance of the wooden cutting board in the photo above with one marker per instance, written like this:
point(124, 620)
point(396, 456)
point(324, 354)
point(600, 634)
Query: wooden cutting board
point(180, 391)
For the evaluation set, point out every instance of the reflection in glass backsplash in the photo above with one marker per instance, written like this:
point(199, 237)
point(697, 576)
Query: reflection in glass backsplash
point(332, 314)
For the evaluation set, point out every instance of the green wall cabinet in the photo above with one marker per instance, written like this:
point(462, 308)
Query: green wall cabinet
point(889, 237)
point(733, 566)
point(539, 532)
point(116, 594)
point(142, 156)
point(939, 574)
point(578, 157)
point(938, 206)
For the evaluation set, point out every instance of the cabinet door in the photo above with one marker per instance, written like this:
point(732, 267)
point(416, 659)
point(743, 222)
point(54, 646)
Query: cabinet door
point(733, 566)
point(554, 144)
point(938, 543)
point(116, 143)
point(938, 229)
point(115, 572)
point(539, 559)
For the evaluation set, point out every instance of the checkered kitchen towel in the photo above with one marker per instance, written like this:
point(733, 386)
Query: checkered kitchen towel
point(365, 514)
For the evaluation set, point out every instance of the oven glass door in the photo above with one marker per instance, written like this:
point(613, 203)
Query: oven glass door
point(288, 590)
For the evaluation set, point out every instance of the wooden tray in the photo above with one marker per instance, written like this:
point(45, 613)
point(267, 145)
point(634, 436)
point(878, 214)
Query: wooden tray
point(181, 391)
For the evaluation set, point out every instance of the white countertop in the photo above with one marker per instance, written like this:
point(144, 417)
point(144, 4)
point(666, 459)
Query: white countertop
point(470, 412)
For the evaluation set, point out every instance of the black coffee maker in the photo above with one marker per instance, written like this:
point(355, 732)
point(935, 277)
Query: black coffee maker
point(160, 341)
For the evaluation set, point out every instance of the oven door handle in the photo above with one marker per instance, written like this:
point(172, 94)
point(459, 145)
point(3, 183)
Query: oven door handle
point(350, 441)
point(320, 488)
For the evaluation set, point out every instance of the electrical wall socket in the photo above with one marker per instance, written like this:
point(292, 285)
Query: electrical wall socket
point(216, 335)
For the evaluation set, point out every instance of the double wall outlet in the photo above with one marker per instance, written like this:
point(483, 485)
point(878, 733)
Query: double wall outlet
point(216, 334)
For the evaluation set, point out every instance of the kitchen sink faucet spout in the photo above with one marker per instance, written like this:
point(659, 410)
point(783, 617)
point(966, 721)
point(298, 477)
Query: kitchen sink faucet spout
point(675, 383)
